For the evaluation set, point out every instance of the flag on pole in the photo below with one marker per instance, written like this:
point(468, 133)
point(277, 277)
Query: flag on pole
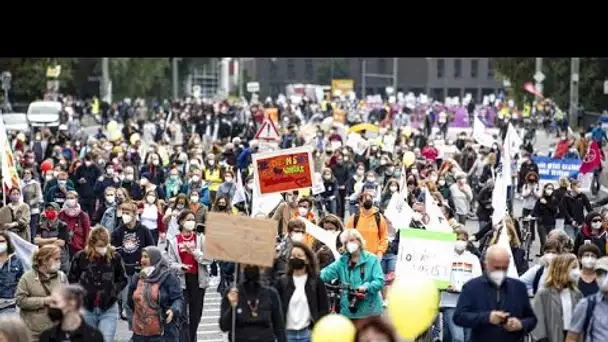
point(239, 194)
point(593, 159)
point(437, 222)
point(479, 133)
point(10, 177)
point(23, 249)
point(504, 241)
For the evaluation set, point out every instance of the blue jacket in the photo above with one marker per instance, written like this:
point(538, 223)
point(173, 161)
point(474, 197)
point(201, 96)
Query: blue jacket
point(598, 134)
point(101, 186)
point(373, 278)
point(244, 159)
point(10, 273)
point(53, 194)
point(479, 297)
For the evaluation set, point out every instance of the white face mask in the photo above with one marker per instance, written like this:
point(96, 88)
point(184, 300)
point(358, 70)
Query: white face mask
point(575, 274)
point(394, 188)
point(193, 199)
point(297, 237)
point(588, 262)
point(110, 199)
point(56, 267)
point(352, 247)
point(195, 179)
point(129, 177)
point(101, 250)
point(127, 218)
point(497, 277)
point(302, 211)
point(71, 203)
point(460, 246)
point(155, 162)
point(147, 270)
point(3, 247)
point(211, 162)
point(144, 181)
point(151, 199)
point(189, 225)
point(228, 179)
point(596, 225)
point(549, 192)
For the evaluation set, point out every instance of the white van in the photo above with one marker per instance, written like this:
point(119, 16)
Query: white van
point(44, 113)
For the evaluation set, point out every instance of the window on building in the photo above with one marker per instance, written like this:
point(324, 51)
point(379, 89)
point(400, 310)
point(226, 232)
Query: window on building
point(440, 68)
point(291, 69)
point(381, 65)
point(275, 89)
point(308, 69)
point(487, 91)
point(416, 91)
point(474, 93)
point(474, 68)
point(490, 69)
point(457, 68)
point(274, 68)
point(438, 94)
point(455, 92)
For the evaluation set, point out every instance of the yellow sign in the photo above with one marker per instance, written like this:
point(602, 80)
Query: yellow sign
point(272, 114)
point(342, 87)
point(53, 72)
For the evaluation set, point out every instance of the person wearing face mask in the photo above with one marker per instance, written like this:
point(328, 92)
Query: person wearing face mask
point(536, 275)
point(588, 255)
point(286, 210)
point(342, 171)
point(325, 256)
point(156, 299)
point(78, 222)
point(100, 271)
point(109, 201)
point(555, 303)
point(363, 272)
point(200, 212)
point(86, 176)
point(173, 184)
point(198, 185)
point(213, 175)
point(64, 310)
point(258, 308)
point(331, 194)
point(243, 202)
point(391, 188)
point(186, 256)
point(228, 187)
point(147, 185)
point(57, 192)
point(494, 306)
point(152, 217)
point(154, 169)
point(33, 294)
point(575, 203)
point(244, 159)
point(11, 270)
point(465, 266)
point(15, 215)
point(222, 205)
point(109, 178)
point(173, 212)
point(592, 232)
point(371, 224)
point(305, 210)
point(32, 195)
point(131, 184)
point(527, 167)
point(129, 239)
point(302, 293)
point(545, 211)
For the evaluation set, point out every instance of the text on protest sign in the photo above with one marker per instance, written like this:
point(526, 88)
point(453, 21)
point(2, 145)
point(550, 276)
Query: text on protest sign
point(426, 253)
point(551, 169)
point(240, 239)
point(283, 170)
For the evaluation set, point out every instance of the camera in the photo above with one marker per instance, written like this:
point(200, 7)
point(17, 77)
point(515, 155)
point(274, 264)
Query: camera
point(354, 297)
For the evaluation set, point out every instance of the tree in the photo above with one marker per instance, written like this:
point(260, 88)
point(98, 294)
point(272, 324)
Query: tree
point(592, 73)
point(340, 70)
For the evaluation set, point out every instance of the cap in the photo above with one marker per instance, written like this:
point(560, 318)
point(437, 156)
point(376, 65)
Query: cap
point(53, 205)
point(601, 264)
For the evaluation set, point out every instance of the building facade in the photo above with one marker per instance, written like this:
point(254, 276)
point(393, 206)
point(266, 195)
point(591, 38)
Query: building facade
point(436, 77)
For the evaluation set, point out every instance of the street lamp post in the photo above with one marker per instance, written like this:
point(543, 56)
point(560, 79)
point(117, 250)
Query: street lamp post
point(6, 86)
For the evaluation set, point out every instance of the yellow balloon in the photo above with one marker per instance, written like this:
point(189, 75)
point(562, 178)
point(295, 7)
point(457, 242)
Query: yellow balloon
point(134, 138)
point(115, 135)
point(112, 126)
point(21, 137)
point(409, 158)
point(334, 328)
point(413, 303)
point(407, 131)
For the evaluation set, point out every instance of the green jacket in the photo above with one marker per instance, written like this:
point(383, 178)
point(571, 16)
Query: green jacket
point(367, 272)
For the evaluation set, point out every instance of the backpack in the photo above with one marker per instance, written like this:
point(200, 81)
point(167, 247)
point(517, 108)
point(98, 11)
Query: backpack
point(377, 216)
point(536, 280)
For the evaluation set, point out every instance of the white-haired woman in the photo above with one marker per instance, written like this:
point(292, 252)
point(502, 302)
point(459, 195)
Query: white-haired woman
point(362, 272)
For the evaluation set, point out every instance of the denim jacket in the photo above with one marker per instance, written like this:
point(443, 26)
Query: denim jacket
point(108, 220)
point(10, 273)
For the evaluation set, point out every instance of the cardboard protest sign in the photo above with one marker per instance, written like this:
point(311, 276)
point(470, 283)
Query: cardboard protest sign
point(283, 170)
point(240, 239)
point(426, 253)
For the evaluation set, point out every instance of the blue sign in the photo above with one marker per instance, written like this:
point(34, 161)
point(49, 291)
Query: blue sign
point(552, 169)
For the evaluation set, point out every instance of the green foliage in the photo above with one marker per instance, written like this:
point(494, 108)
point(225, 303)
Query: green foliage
point(592, 73)
point(340, 70)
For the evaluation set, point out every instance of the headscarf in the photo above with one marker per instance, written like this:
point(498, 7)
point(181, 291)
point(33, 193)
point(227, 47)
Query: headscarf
point(158, 274)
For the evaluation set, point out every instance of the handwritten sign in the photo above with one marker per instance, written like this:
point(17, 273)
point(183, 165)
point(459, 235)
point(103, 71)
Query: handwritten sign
point(240, 239)
point(283, 170)
point(426, 253)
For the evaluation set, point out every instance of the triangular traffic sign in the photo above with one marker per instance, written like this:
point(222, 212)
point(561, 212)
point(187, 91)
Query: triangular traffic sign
point(268, 131)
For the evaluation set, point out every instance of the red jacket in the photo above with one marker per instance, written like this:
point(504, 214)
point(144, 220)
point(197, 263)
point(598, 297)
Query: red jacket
point(78, 230)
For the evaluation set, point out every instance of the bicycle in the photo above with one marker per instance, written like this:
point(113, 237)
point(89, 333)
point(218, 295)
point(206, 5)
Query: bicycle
point(334, 296)
point(527, 226)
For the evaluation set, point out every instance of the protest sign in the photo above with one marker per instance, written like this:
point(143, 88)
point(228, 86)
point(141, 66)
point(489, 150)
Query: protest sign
point(284, 170)
point(551, 169)
point(388, 143)
point(427, 254)
point(240, 239)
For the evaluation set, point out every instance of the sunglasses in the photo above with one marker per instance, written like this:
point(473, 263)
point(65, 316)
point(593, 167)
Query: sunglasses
point(596, 220)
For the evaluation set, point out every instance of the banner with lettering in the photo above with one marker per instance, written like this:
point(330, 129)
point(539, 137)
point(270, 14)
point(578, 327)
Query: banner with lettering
point(551, 169)
point(283, 170)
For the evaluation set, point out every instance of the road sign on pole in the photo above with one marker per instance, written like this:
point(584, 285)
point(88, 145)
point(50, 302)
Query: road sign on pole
point(253, 87)
point(539, 77)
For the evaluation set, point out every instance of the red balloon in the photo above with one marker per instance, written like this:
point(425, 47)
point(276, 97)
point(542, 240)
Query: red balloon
point(46, 165)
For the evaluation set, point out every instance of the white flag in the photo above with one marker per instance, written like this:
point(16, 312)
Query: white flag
point(399, 212)
point(326, 237)
point(23, 249)
point(239, 194)
point(504, 241)
point(437, 222)
point(479, 133)
point(499, 199)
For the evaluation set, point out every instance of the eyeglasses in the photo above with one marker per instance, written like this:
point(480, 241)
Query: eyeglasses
point(596, 220)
